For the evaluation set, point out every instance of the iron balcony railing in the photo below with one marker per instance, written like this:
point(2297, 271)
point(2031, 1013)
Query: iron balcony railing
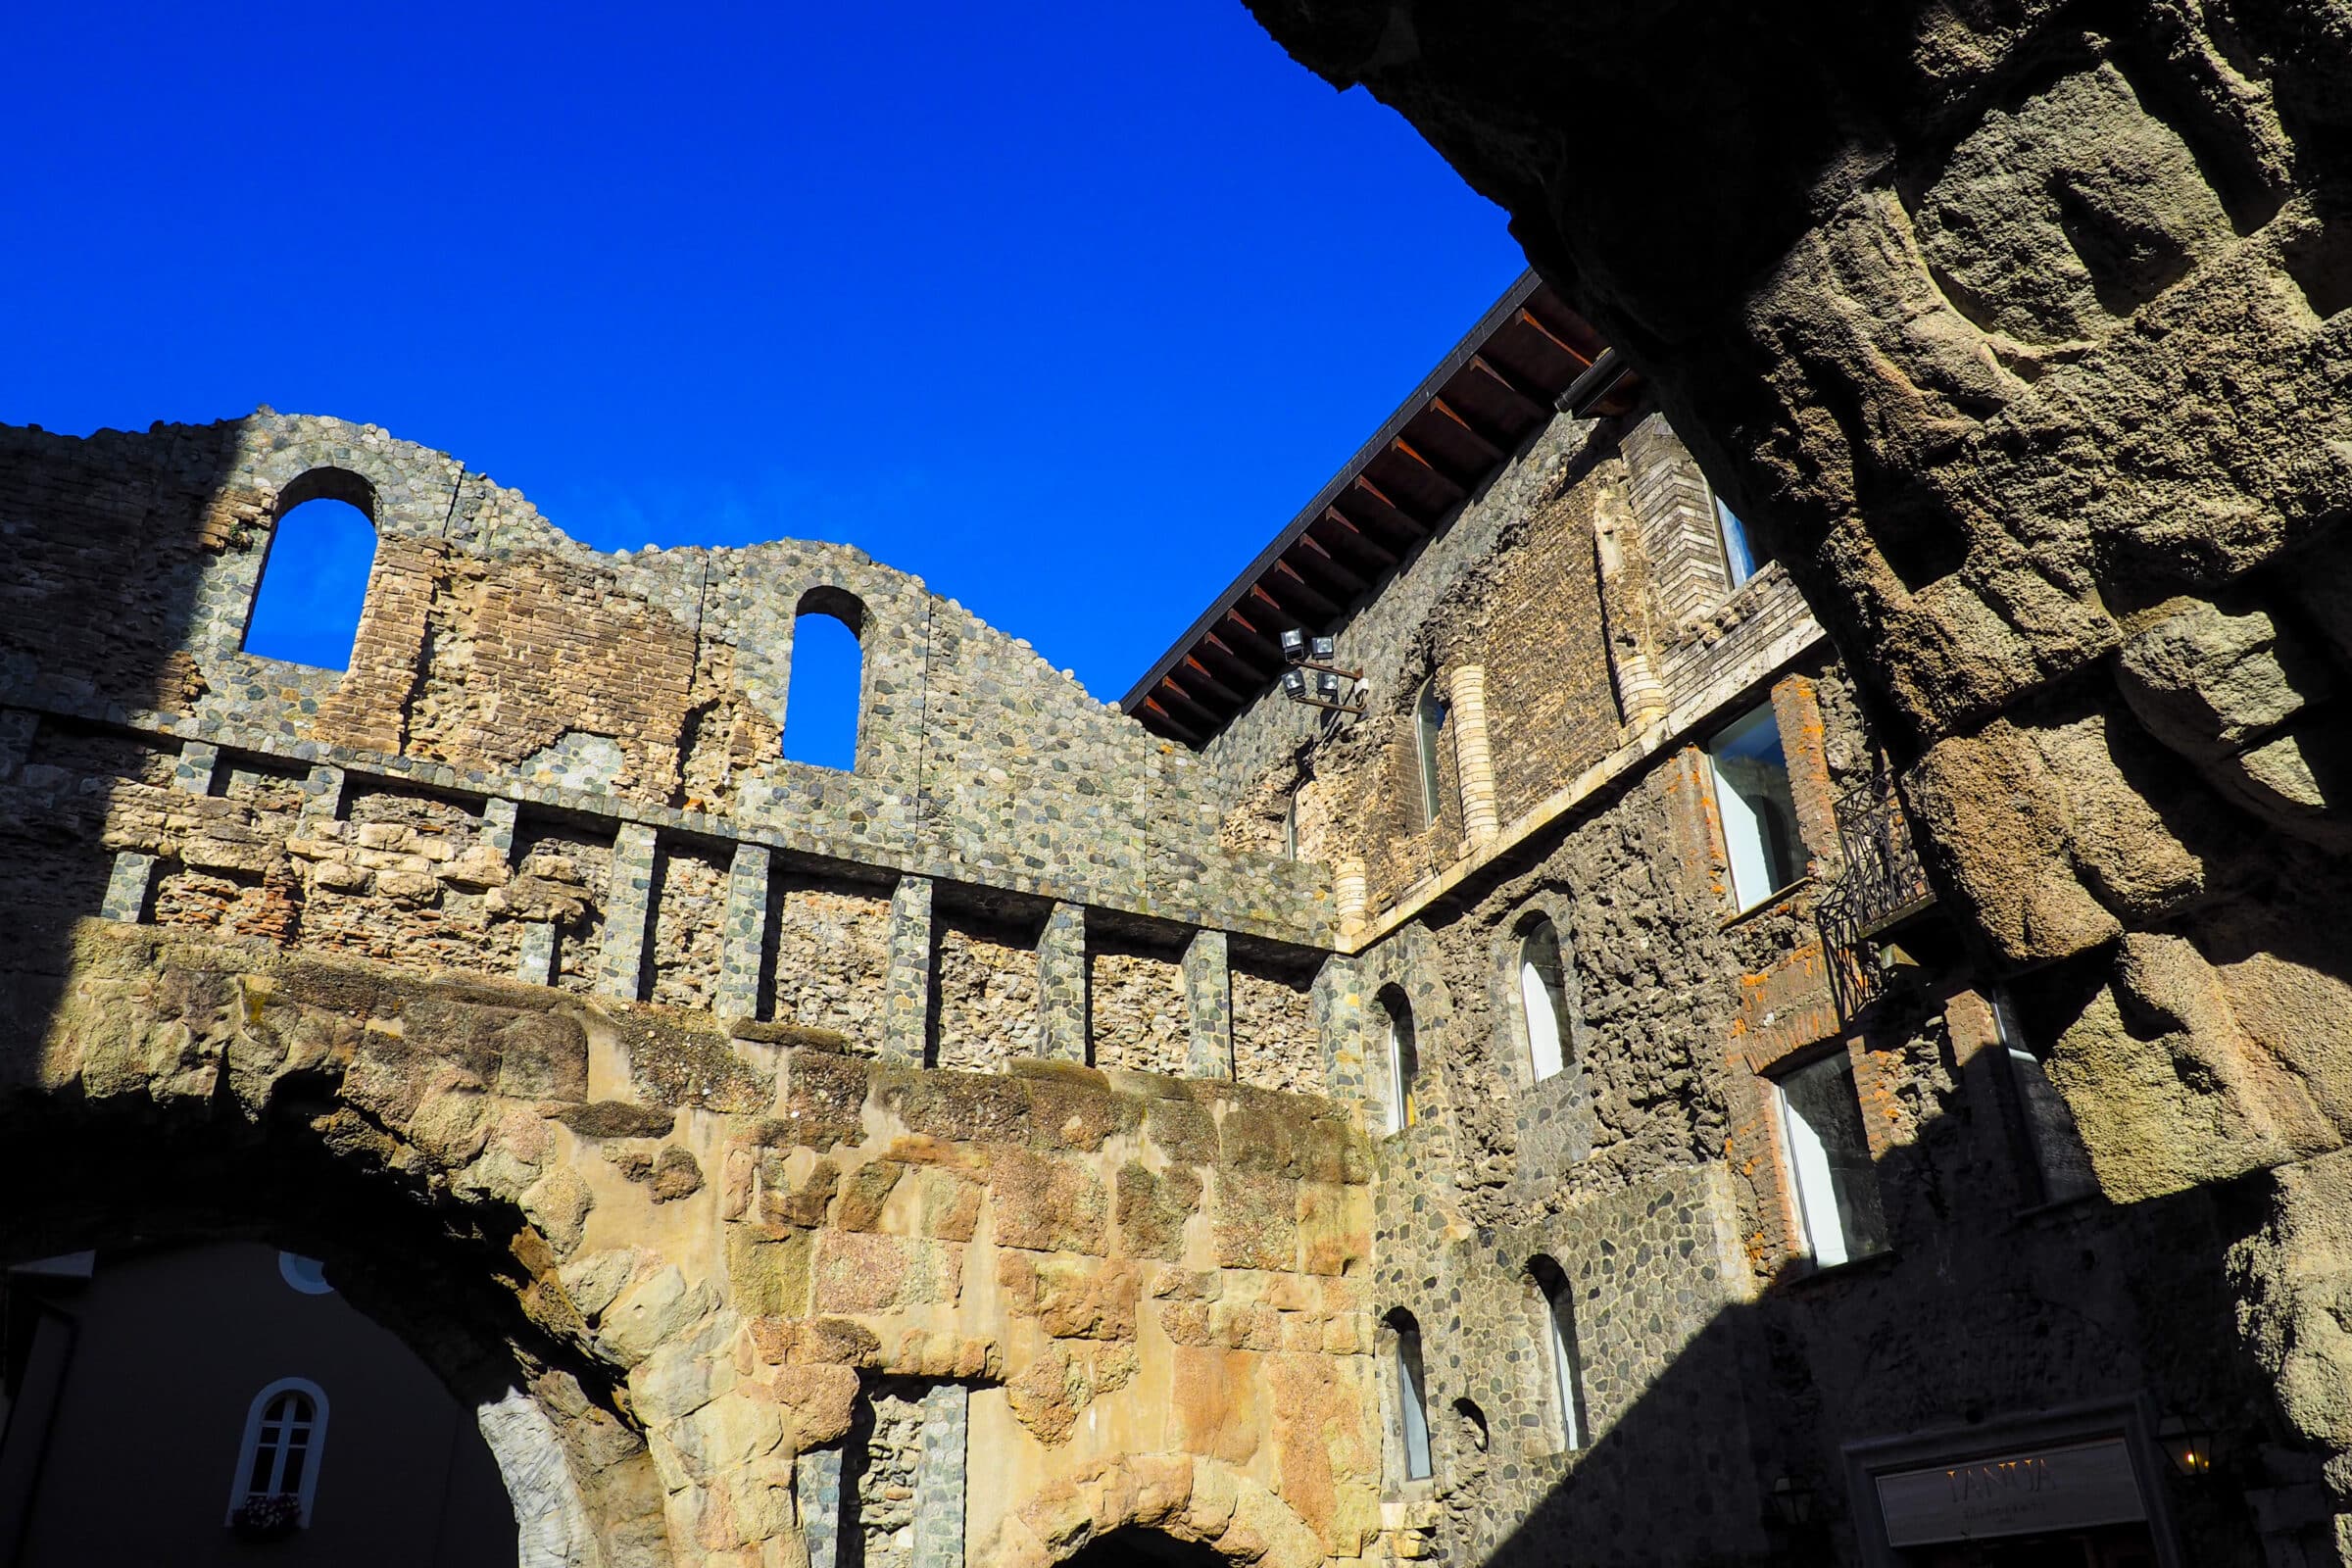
point(1881, 885)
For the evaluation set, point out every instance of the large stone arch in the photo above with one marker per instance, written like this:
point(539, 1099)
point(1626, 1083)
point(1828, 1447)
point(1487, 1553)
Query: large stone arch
point(184, 1092)
point(1193, 1498)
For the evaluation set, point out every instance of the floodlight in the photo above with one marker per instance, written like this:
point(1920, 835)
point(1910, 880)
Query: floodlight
point(1325, 649)
point(1294, 645)
point(1293, 684)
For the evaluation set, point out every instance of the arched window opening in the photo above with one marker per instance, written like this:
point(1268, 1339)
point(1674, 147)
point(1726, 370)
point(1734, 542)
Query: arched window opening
point(821, 718)
point(277, 1466)
point(1739, 558)
point(1403, 1058)
point(1543, 1000)
point(1567, 1366)
point(1428, 728)
point(314, 574)
point(1412, 1401)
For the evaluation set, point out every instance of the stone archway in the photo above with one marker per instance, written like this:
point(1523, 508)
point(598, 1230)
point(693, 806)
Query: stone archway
point(183, 1093)
point(1183, 1500)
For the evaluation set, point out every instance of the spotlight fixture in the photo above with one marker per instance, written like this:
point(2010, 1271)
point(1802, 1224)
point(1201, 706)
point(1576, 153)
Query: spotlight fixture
point(2188, 1444)
point(1329, 688)
point(1792, 1501)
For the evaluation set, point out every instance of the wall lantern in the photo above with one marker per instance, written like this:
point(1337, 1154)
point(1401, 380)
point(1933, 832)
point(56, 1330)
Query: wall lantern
point(2188, 1444)
point(1339, 689)
point(1792, 1501)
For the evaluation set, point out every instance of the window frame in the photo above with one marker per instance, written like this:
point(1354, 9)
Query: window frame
point(1857, 1232)
point(313, 1449)
point(1556, 1297)
point(1795, 855)
point(1409, 1365)
point(1554, 991)
point(1431, 711)
point(1735, 578)
point(1403, 1037)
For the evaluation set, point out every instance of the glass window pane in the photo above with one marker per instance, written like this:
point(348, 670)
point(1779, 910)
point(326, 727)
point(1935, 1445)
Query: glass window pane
point(1829, 1157)
point(1411, 1396)
point(1758, 812)
point(1566, 1368)
point(1429, 723)
point(1543, 1001)
point(1738, 558)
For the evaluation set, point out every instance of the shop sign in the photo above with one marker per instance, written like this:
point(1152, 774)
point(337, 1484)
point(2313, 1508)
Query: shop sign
point(2070, 1488)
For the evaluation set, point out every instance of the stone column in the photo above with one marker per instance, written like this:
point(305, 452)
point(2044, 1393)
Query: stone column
point(629, 915)
point(1349, 889)
point(131, 882)
point(1804, 747)
point(1208, 1001)
point(497, 820)
point(939, 1479)
point(1473, 758)
point(1626, 622)
point(907, 992)
point(746, 935)
point(1061, 985)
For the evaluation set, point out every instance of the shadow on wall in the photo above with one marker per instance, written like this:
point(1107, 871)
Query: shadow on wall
point(1991, 1327)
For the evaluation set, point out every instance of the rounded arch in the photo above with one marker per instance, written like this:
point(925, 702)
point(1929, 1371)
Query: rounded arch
point(167, 1160)
point(826, 683)
point(310, 583)
point(327, 482)
point(1406, 966)
point(1555, 1306)
point(1187, 1499)
point(283, 1448)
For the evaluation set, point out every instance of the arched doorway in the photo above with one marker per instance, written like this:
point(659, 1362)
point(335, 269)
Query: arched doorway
point(1141, 1547)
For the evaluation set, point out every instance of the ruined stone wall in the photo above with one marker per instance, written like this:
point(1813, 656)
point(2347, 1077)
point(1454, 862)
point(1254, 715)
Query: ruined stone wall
point(1131, 1276)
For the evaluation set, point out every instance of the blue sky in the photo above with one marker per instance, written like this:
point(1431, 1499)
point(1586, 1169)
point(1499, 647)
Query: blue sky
point(1065, 309)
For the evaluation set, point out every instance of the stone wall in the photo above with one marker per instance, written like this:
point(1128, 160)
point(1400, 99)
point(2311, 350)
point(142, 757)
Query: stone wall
point(1122, 1269)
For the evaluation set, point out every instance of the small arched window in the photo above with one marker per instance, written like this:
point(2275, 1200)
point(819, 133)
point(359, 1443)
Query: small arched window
point(314, 572)
point(821, 718)
point(1543, 999)
point(1403, 1060)
point(1412, 1396)
point(1567, 1365)
point(286, 1432)
point(1429, 729)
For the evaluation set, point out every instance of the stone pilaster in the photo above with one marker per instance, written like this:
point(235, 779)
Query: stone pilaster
point(939, 1483)
point(498, 827)
point(1473, 756)
point(1061, 985)
point(131, 882)
point(1208, 1001)
point(1337, 1003)
point(323, 798)
point(535, 960)
point(906, 991)
point(817, 1493)
point(745, 937)
point(629, 915)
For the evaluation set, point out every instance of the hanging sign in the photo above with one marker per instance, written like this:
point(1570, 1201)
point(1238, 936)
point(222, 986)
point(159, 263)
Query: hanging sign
point(2070, 1488)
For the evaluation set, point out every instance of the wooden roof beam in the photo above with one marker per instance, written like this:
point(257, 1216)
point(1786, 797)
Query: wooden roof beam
point(1325, 561)
point(1296, 584)
point(1453, 487)
point(1198, 674)
point(1362, 538)
point(1416, 524)
point(1169, 723)
point(1512, 387)
point(1477, 437)
point(1253, 671)
point(1583, 362)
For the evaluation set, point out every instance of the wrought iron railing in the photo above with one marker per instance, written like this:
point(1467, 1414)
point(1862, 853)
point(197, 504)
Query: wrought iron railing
point(1882, 884)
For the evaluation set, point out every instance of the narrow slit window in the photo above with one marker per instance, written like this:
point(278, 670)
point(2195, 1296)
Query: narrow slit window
point(2056, 1161)
point(821, 702)
point(286, 1432)
point(1543, 1000)
point(1828, 1162)
point(1412, 1396)
point(1758, 811)
point(313, 585)
point(1405, 1061)
point(1567, 1365)
point(1429, 729)
point(1739, 561)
